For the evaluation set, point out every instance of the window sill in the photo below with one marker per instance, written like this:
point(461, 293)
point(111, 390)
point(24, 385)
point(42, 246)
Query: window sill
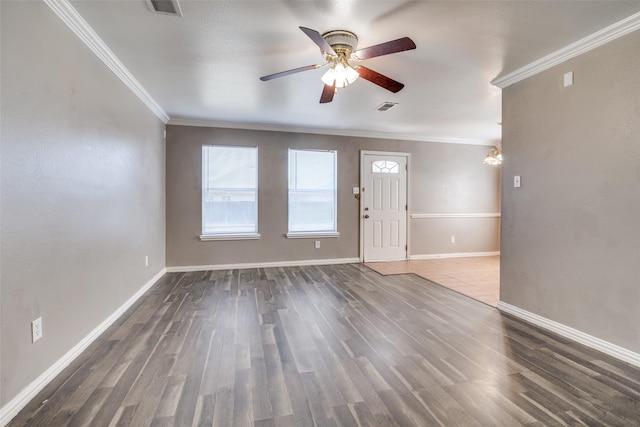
point(312, 235)
point(247, 236)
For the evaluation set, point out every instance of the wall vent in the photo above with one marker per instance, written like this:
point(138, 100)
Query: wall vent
point(386, 106)
point(166, 7)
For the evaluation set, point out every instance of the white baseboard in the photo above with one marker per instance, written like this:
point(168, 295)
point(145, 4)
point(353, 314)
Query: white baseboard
point(453, 255)
point(574, 334)
point(187, 268)
point(15, 405)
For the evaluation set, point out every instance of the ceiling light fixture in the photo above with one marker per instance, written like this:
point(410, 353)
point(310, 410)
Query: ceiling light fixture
point(494, 157)
point(341, 74)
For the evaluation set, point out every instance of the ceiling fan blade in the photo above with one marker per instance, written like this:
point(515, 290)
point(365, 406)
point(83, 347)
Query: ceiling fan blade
point(319, 40)
point(289, 72)
point(327, 94)
point(377, 78)
point(393, 46)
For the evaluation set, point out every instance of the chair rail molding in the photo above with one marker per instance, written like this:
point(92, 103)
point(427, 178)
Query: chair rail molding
point(454, 215)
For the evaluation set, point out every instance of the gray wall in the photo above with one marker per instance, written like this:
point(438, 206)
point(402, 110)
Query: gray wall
point(82, 192)
point(571, 233)
point(445, 178)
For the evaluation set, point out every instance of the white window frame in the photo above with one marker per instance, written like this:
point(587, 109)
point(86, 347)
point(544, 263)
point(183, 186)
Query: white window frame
point(314, 233)
point(234, 235)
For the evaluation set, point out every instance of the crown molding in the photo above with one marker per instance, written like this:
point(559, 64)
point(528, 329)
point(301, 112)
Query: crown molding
point(81, 28)
point(612, 32)
point(333, 132)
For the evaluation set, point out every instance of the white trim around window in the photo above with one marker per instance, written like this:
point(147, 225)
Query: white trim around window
point(247, 236)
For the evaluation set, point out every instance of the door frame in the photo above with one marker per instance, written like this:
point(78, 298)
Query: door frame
point(364, 153)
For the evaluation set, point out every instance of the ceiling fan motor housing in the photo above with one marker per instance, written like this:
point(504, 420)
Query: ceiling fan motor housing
point(343, 42)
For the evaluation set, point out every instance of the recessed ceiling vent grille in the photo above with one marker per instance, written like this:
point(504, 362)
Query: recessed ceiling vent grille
point(166, 7)
point(386, 106)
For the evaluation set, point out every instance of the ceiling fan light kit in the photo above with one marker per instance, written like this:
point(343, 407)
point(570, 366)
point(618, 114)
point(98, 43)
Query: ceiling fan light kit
point(338, 47)
point(341, 74)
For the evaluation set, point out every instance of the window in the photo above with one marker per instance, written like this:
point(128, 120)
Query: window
point(384, 166)
point(229, 192)
point(312, 193)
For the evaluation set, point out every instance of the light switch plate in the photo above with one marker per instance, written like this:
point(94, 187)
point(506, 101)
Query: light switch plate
point(516, 181)
point(568, 78)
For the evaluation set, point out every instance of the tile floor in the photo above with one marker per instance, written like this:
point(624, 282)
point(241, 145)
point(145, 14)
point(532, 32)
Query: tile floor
point(476, 277)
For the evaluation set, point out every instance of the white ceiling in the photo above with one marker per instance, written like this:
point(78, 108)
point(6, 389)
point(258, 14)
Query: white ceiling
point(205, 66)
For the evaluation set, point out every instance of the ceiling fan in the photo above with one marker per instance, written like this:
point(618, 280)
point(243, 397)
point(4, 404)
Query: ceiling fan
point(338, 48)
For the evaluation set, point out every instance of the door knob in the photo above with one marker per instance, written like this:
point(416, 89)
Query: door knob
point(366, 216)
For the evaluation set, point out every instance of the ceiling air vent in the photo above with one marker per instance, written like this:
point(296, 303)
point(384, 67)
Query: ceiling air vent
point(166, 7)
point(386, 106)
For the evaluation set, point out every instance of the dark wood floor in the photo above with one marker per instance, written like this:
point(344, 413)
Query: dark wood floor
point(330, 345)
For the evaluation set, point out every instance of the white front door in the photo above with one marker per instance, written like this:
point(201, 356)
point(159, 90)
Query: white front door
point(384, 207)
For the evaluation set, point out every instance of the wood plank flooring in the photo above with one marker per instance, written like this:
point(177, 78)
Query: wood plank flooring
point(330, 346)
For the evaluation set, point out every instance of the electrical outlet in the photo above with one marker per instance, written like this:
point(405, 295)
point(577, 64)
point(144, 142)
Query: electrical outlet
point(146, 261)
point(36, 329)
point(516, 181)
point(317, 244)
point(453, 239)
